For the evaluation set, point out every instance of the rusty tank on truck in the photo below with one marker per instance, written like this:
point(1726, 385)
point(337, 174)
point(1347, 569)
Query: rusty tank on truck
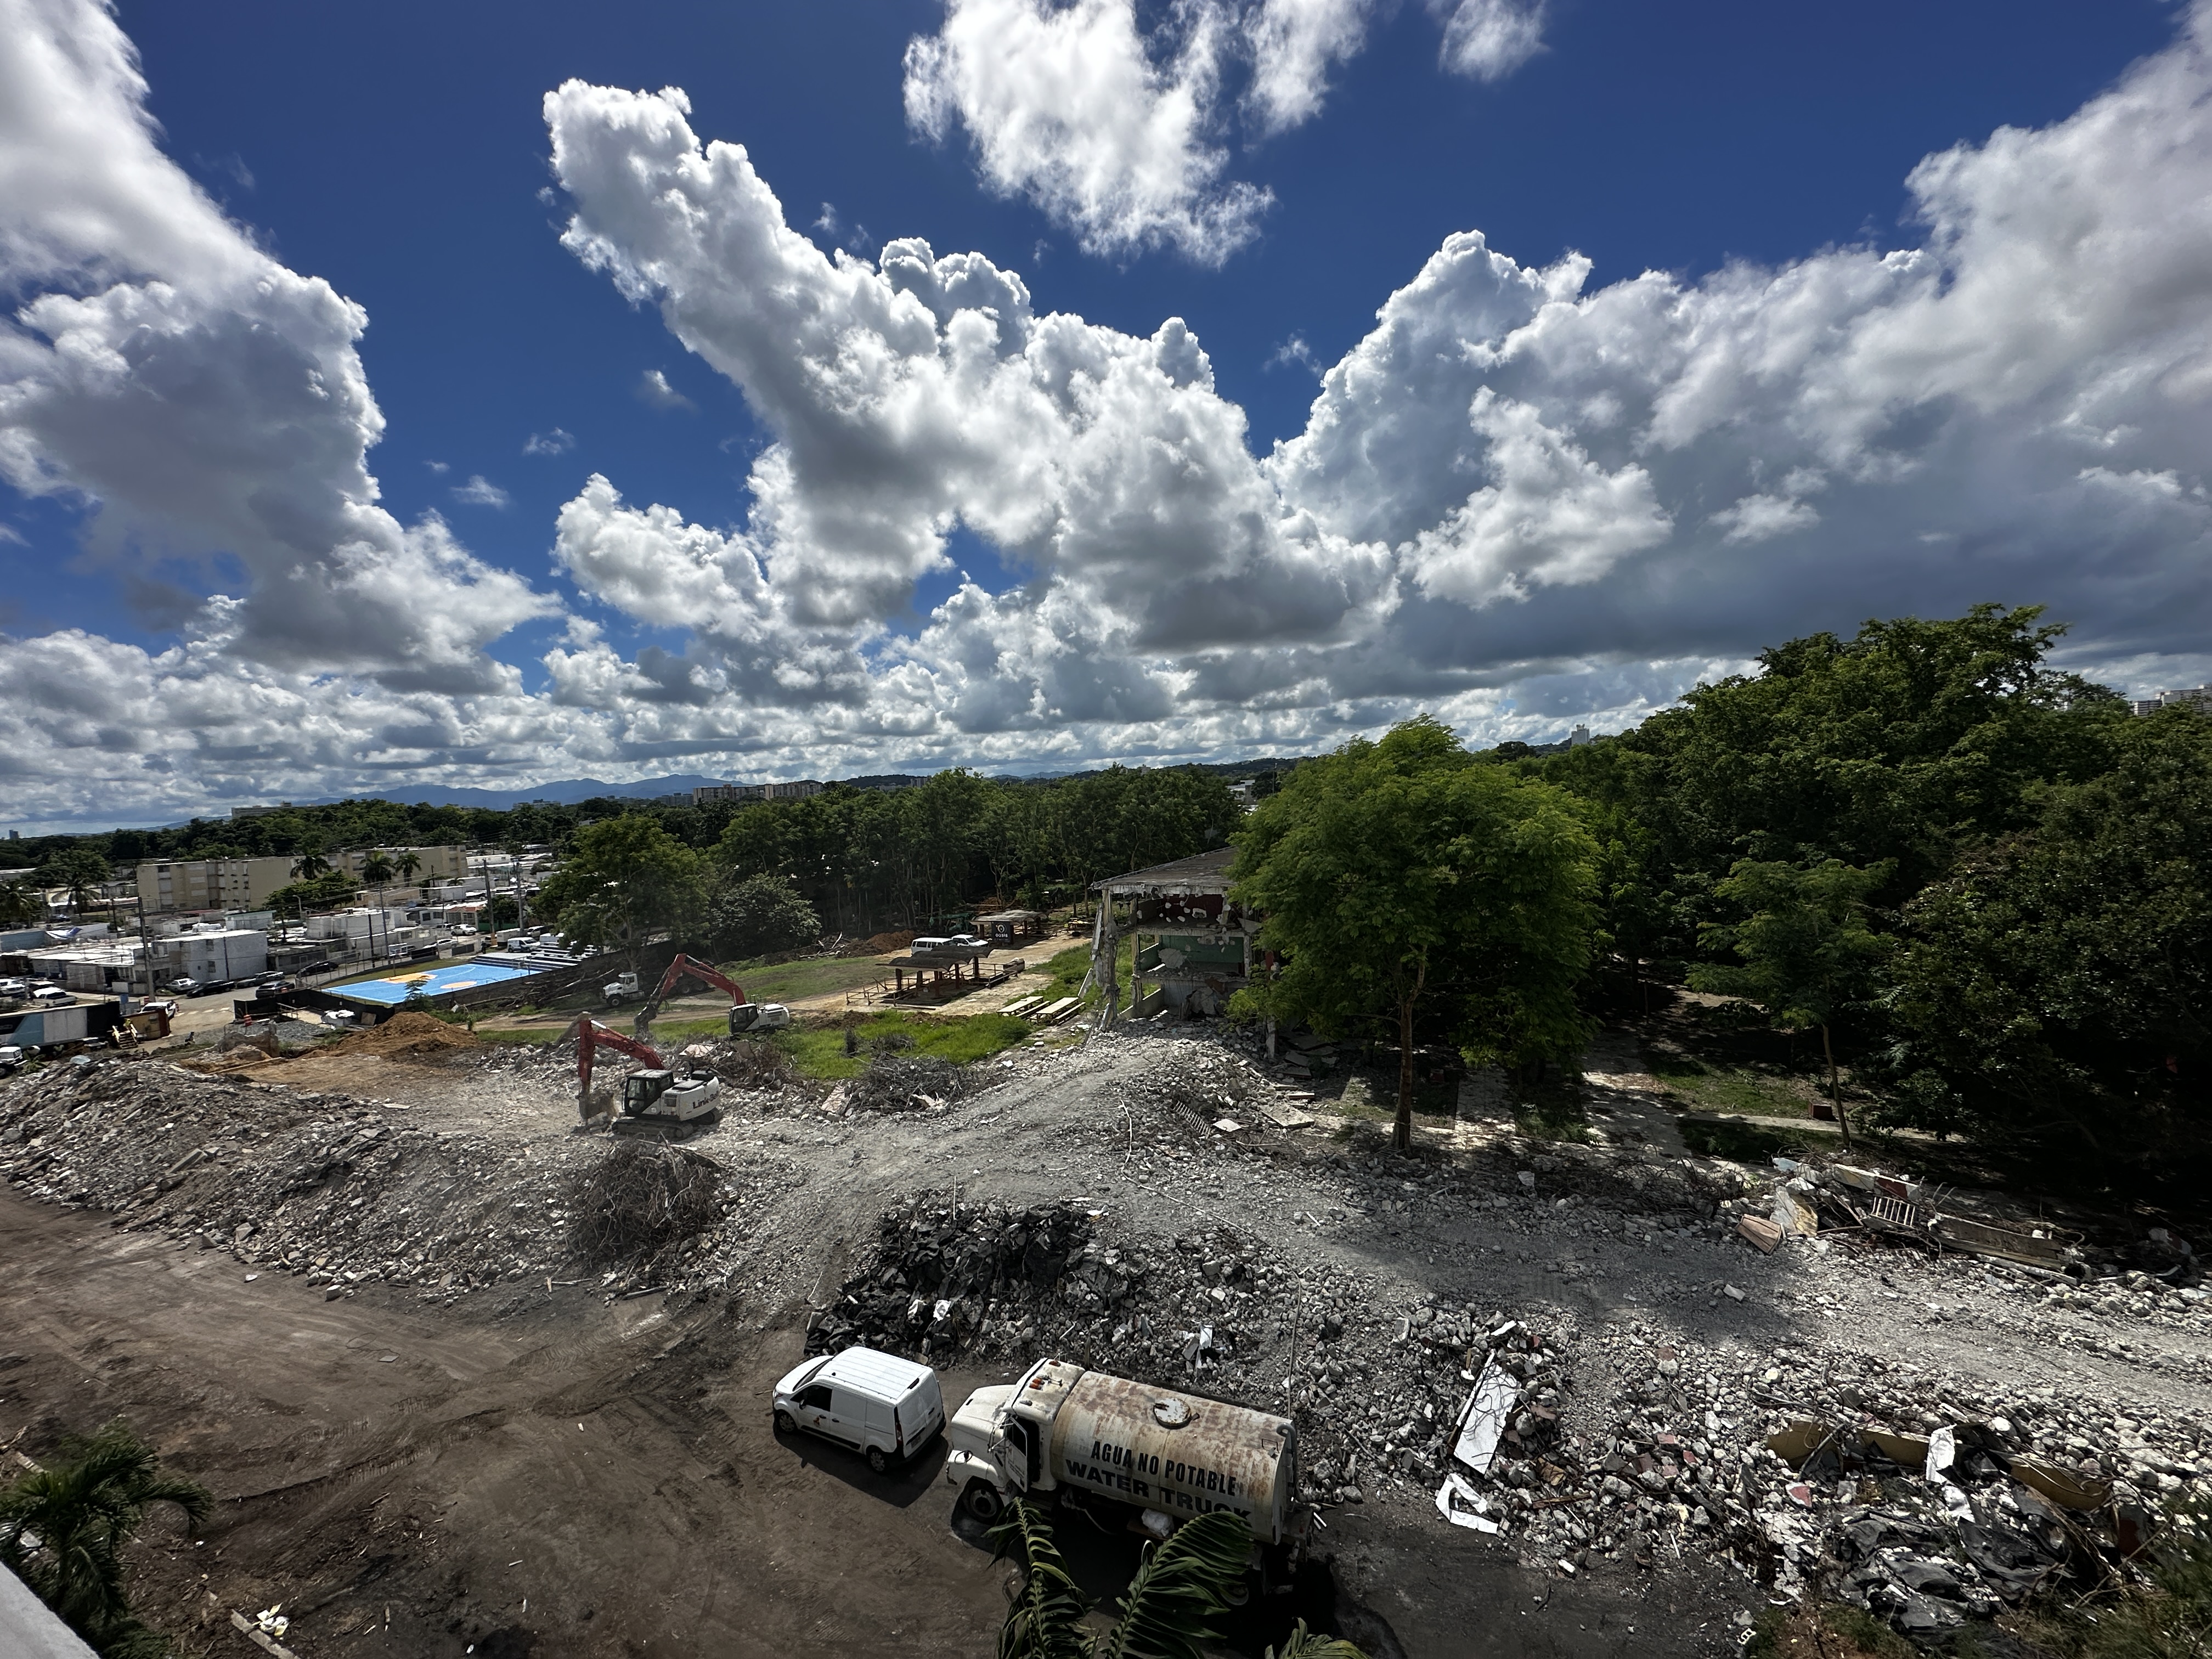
point(1062, 1429)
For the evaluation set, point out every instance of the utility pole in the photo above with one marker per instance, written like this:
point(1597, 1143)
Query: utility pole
point(145, 949)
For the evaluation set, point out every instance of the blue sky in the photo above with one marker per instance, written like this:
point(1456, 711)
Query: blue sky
point(1570, 547)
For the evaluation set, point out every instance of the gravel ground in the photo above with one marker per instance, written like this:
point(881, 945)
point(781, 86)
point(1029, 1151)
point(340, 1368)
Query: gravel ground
point(1656, 1349)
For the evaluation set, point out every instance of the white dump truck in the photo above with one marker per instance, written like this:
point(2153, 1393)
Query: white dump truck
point(1062, 1431)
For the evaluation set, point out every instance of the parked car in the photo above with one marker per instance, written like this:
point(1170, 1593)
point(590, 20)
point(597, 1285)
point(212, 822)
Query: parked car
point(13, 988)
point(50, 994)
point(160, 1006)
point(185, 986)
point(269, 984)
point(10, 1058)
point(884, 1407)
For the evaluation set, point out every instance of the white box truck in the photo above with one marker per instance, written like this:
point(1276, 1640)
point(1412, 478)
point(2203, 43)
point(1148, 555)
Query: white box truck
point(1062, 1431)
point(884, 1407)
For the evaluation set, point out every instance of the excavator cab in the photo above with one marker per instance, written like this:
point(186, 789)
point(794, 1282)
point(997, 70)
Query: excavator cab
point(641, 1089)
point(660, 1099)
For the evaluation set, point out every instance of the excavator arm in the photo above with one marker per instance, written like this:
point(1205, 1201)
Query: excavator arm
point(679, 970)
point(590, 1035)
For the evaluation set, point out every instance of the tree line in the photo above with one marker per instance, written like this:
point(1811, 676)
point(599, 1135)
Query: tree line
point(858, 862)
point(1979, 880)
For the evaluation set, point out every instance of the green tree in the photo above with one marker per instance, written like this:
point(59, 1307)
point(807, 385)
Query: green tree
point(321, 892)
point(2057, 990)
point(22, 905)
point(1180, 1588)
point(625, 880)
point(377, 869)
point(407, 864)
point(79, 869)
point(82, 1512)
point(310, 862)
point(761, 914)
point(1807, 951)
point(1907, 744)
point(1397, 872)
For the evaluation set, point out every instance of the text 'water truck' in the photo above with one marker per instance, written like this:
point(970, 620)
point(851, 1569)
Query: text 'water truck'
point(1063, 1433)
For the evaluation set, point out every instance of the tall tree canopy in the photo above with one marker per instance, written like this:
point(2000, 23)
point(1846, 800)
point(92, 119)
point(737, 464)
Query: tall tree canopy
point(1402, 883)
point(2058, 987)
point(626, 878)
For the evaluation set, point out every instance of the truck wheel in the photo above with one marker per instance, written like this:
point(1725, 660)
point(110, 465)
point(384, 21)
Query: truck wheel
point(1239, 1592)
point(878, 1459)
point(784, 1424)
point(982, 1502)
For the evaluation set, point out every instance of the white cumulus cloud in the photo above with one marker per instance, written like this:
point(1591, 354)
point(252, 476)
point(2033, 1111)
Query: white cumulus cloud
point(1488, 40)
point(1121, 130)
point(653, 387)
point(196, 396)
point(1526, 496)
point(1072, 106)
point(480, 491)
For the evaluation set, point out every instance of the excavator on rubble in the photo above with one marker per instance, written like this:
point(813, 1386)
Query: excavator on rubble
point(744, 1016)
point(660, 1100)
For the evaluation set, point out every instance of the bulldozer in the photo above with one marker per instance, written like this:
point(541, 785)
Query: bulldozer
point(744, 1016)
point(660, 1100)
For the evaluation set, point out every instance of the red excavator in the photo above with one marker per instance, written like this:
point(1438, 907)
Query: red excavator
point(743, 1016)
point(658, 1100)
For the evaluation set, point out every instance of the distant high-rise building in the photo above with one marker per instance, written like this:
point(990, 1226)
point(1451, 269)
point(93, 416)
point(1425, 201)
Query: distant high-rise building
point(1578, 737)
point(746, 791)
point(2199, 698)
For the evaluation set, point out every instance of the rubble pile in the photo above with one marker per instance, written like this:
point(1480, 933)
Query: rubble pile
point(342, 1191)
point(894, 1082)
point(755, 1067)
point(944, 1277)
point(1198, 1084)
point(1817, 1470)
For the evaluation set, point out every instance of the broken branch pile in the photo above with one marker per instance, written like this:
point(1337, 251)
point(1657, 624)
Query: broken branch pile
point(641, 1206)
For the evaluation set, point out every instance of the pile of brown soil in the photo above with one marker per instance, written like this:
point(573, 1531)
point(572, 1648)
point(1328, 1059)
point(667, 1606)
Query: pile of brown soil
point(410, 1032)
point(883, 942)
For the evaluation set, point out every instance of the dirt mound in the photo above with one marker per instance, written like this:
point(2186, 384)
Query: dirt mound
point(880, 942)
point(410, 1032)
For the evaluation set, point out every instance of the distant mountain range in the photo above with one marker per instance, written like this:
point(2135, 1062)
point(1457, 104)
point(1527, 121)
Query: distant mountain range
point(569, 790)
point(567, 793)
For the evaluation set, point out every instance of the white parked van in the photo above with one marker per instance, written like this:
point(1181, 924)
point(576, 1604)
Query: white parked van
point(883, 1407)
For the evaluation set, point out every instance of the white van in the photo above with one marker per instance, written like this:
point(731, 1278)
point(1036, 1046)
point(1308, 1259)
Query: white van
point(883, 1407)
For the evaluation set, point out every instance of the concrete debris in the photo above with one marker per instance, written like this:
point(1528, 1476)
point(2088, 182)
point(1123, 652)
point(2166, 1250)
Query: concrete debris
point(907, 1083)
point(342, 1192)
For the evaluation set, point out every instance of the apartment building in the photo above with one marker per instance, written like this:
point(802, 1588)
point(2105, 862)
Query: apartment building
point(210, 883)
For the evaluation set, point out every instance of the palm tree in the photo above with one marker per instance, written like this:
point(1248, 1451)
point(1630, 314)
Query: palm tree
point(62, 1530)
point(310, 862)
point(20, 907)
point(376, 869)
point(407, 864)
point(1168, 1610)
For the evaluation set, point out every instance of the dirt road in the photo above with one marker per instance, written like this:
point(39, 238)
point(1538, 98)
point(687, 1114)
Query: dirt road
point(563, 1476)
